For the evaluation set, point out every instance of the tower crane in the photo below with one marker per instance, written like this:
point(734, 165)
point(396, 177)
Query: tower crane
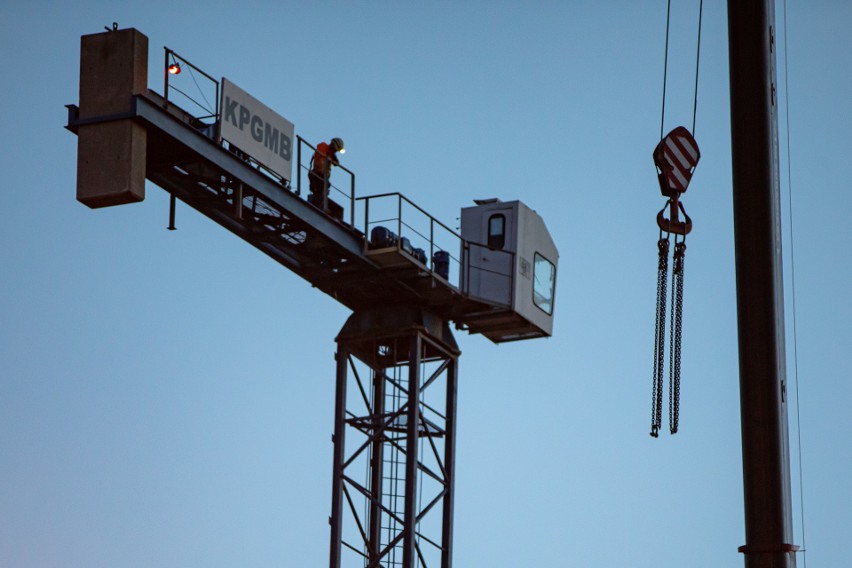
point(405, 275)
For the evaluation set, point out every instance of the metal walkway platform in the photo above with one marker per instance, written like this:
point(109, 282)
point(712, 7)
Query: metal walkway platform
point(331, 254)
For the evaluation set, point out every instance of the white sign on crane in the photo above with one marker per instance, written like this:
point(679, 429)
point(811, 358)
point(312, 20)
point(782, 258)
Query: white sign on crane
point(257, 130)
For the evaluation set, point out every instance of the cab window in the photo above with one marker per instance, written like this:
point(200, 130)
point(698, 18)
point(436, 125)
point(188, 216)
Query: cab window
point(544, 282)
point(497, 231)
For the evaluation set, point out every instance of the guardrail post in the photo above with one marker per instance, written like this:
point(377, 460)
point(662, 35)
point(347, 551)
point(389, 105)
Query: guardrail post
point(367, 221)
point(431, 264)
point(399, 221)
point(166, 77)
point(352, 201)
point(299, 165)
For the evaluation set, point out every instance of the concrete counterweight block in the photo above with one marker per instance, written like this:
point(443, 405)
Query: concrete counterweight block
point(111, 150)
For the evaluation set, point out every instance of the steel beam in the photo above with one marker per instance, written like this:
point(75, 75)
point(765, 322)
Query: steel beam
point(338, 440)
point(376, 468)
point(760, 300)
point(411, 457)
point(450, 463)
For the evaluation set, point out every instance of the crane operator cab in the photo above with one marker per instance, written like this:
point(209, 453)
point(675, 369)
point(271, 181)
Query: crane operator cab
point(510, 264)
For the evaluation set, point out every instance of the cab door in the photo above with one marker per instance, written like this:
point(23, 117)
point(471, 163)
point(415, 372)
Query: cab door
point(492, 261)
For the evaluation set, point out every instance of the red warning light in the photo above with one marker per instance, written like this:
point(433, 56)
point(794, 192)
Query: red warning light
point(174, 69)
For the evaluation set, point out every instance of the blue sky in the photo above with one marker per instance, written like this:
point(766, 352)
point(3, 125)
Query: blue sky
point(166, 397)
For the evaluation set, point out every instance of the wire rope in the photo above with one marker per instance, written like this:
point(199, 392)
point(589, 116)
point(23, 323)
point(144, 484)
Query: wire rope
point(201, 106)
point(665, 67)
point(793, 288)
point(200, 90)
point(697, 61)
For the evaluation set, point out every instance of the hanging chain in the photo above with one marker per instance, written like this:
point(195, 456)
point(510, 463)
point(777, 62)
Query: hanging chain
point(675, 334)
point(677, 328)
point(659, 336)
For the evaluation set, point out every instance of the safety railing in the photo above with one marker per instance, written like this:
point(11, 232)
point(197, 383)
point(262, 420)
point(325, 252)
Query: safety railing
point(331, 193)
point(399, 223)
point(391, 220)
point(205, 116)
point(208, 120)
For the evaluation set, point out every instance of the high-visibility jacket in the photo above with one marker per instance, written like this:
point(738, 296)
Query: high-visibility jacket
point(322, 161)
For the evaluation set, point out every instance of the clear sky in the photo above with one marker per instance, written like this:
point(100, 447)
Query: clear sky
point(166, 397)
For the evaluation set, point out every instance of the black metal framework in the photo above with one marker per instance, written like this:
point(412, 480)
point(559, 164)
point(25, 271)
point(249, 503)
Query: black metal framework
point(418, 225)
point(392, 500)
point(187, 157)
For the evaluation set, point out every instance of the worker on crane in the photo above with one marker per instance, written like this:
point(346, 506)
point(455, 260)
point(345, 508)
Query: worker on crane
point(320, 171)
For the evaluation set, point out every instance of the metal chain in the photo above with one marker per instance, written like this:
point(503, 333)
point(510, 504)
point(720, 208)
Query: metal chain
point(672, 339)
point(659, 336)
point(677, 328)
